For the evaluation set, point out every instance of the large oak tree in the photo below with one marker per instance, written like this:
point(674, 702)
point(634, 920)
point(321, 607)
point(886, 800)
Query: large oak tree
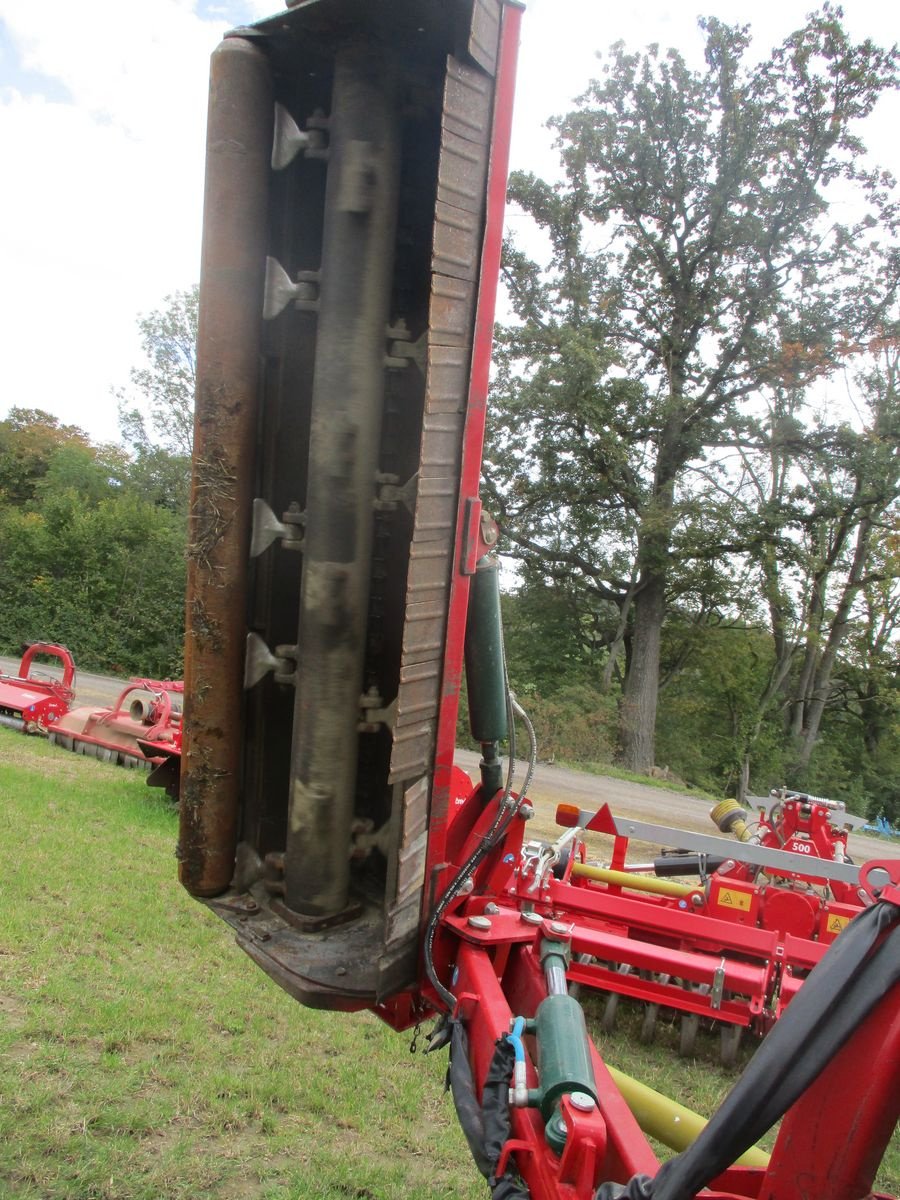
point(695, 257)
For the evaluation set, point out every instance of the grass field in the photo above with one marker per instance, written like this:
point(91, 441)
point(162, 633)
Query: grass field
point(142, 1055)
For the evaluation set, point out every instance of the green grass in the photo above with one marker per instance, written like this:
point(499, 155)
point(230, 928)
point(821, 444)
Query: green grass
point(142, 1055)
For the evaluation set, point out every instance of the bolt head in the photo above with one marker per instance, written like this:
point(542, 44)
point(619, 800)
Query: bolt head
point(582, 1101)
point(482, 923)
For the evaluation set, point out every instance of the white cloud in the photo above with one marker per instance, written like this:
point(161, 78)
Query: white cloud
point(104, 218)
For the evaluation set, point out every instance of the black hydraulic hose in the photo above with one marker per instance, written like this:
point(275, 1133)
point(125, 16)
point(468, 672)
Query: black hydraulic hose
point(861, 966)
point(686, 864)
point(506, 814)
point(465, 872)
point(462, 1088)
point(487, 1126)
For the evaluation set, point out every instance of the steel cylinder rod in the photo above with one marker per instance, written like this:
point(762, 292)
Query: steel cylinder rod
point(347, 401)
point(239, 142)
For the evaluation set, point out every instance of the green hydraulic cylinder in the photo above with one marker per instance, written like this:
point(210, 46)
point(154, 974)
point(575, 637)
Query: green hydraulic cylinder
point(563, 1045)
point(564, 1056)
point(486, 670)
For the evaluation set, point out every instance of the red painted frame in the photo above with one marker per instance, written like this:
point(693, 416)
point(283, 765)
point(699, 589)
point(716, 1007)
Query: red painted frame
point(39, 702)
point(824, 1150)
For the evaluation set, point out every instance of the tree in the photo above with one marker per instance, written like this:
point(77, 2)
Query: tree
point(106, 579)
point(869, 468)
point(710, 731)
point(692, 260)
point(869, 679)
point(29, 441)
point(159, 427)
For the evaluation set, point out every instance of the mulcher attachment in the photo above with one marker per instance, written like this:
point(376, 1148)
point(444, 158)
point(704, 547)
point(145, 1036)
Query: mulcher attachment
point(347, 168)
point(142, 729)
point(33, 701)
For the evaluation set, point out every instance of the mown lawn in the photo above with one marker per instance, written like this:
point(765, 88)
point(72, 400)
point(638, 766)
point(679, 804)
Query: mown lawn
point(142, 1055)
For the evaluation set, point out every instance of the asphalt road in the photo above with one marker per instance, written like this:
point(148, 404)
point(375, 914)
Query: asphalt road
point(551, 785)
point(554, 785)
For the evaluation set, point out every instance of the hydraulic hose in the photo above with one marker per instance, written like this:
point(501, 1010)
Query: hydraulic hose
point(468, 868)
point(520, 1081)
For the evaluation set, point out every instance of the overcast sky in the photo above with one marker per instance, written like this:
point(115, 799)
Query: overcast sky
point(102, 118)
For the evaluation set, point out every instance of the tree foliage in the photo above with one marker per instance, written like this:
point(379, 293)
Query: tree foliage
point(89, 559)
point(156, 415)
point(693, 264)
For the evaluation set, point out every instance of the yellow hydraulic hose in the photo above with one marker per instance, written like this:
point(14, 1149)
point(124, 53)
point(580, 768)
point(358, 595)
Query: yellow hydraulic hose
point(669, 1122)
point(640, 883)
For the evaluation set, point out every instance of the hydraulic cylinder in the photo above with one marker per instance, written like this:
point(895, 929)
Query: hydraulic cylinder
point(486, 670)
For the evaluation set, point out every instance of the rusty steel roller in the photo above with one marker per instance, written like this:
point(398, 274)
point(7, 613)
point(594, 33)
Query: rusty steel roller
point(239, 141)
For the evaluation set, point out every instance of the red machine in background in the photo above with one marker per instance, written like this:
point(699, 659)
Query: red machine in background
point(809, 826)
point(35, 700)
point(731, 946)
point(340, 569)
point(142, 728)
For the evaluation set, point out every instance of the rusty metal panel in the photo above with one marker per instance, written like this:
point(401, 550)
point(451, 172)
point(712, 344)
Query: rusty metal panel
point(462, 175)
point(413, 752)
point(457, 241)
point(429, 564)
point(411, 859)
point(484, 36)
point(436, 510)
point(467, 102)
point(403, 919)
point(447, 379)
point(443, 432)
point(421, 681)
point(461, 172)
point(424, 640)
point(451, 310)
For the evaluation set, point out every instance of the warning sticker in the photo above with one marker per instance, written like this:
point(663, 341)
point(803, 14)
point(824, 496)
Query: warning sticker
point(732, 898)
point(836, 923)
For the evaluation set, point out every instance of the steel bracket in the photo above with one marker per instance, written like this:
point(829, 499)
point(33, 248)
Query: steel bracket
point(289, 139)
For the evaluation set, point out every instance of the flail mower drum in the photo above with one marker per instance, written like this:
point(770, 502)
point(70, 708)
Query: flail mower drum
point(142, 728)
point(34, 700)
